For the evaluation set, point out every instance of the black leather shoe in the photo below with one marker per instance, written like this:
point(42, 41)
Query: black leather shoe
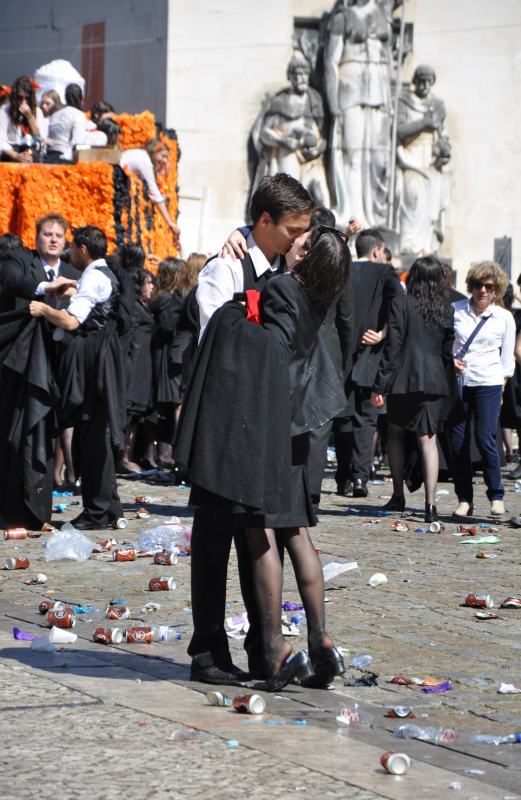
point(431, 515)
point(515, 474)
point(211, 673)
point(83, 523)
point(297, 667)
point(343, 488)
point(360, 488)
point(396, 503)
point(326, 665)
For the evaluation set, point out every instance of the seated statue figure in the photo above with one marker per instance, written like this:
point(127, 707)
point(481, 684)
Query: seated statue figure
point(423, 150)
point(288, 133)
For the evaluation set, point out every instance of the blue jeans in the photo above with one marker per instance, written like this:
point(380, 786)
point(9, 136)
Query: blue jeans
point(483, 403)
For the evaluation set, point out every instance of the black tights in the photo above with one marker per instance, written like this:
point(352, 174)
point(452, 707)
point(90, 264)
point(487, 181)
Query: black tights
point(429, 455)
point(267, 577)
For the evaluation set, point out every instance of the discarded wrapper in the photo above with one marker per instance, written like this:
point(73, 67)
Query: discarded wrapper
point(405, 680)
point(142, 513)
point(399, 526)
point(485, 555)
point(469, 531)
point(348, 716)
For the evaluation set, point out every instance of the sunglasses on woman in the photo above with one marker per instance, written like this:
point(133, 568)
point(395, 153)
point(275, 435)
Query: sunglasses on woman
point(490, 287)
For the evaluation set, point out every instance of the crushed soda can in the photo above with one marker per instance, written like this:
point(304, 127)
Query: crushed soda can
point(249, 704)
point(142, 513)
point(485, 555)
point(163, 584)
point(219, 699)
point(400, 712)
point(63, 617)
point(105, 546)
point(483, 615)
point(117, 611)
point(108, 635)
point(469, 531)
point(436, 527)
point(479, 600)
point(40, 578)
point(165, 559)
point(405, 680)
point(47, 605)
point(146, 500)
point(399, 526)
point(143, 635)
point(511, 602)
point(19, 562)
point(48, 528)
point(120, 523)
point(124, 554)
point(15, 533)
point(395, 763)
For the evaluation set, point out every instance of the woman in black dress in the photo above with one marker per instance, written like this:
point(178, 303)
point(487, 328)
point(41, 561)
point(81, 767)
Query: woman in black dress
point(244, 437)
point(413, 374)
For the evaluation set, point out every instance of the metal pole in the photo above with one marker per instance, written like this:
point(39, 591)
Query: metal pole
point(394, 133)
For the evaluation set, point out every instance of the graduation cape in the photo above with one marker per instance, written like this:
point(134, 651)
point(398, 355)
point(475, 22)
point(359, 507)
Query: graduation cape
point(27, 420)
point(234, 432)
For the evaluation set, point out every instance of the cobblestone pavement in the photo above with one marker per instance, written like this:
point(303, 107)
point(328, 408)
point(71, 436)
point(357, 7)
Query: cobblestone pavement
point(106, 722)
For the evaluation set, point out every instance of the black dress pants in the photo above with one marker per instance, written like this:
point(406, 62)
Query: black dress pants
point(212, 535)
point(97, 468)
point(354, 436)
point(317, 458)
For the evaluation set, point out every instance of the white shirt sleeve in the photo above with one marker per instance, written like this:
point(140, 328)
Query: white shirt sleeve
point(508, 361)
point(217, 284)
point(43, 123)
point(4, 123)
point(94, 287)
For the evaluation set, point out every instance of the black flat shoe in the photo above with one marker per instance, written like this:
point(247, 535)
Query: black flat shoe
point(227, 674)
point(297, 667)
point(431, 515)
point(360, 488)
point(83, 523)
point(396, 503)
point(326, 666)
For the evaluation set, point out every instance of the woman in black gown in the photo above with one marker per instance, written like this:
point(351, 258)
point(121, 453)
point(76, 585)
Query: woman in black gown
point(413, 374)
point(244, 433)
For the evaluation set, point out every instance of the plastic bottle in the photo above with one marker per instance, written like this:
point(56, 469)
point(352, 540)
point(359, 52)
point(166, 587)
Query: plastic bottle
point(485, 738)
point(361, 661)
point(436, 735)
point(165, 634)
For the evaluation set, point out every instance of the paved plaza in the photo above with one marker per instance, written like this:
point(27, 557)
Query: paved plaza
point(123, 721)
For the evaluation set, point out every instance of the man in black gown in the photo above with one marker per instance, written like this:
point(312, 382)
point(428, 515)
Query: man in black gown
point(280, 211)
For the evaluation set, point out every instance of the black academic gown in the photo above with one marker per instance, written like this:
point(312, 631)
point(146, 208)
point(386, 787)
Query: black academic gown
point(140, 375)
point(166, 310)
point(251, 393)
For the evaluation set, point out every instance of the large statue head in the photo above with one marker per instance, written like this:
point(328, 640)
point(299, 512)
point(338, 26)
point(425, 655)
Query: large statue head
point(298, 72)
point(423, 80)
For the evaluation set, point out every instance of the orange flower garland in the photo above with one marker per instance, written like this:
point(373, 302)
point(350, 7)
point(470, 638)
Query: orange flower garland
point(136, 129)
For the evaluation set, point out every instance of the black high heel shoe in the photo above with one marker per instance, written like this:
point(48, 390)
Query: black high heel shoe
point(396, 503)
point(299, 666)
point(326, 666)
point(431, 515)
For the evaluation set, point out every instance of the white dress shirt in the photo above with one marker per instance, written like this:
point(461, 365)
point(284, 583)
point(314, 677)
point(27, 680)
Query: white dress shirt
point(11, 134)
point(40, 289)
point(67, 128)
point(93, 287)
point(490, 358)
point(221, 278)
point(139, 162)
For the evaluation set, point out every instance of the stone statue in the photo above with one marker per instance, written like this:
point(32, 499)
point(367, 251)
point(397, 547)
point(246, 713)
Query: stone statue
point(357, 69)
point(424, 149)
point(288, 134)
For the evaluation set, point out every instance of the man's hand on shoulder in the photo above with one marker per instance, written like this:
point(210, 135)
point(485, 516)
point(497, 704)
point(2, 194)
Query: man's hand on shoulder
point(60, 287)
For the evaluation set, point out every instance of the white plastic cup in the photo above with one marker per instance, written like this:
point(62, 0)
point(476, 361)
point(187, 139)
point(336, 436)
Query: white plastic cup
point(377, 579)
point(61, 636)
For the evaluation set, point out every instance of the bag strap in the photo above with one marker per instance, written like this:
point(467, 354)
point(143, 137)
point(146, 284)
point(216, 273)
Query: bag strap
point(464, 350)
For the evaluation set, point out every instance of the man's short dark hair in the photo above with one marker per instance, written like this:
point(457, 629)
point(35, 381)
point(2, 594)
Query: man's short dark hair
point(322, 216)
point(9, 241)
point(52, 217)
point(94, 240)
point(279, 194)
point(367, 240)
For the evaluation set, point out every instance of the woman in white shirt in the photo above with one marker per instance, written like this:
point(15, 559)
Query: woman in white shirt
point(22, 124)
point(484, 363)
point(67, 127)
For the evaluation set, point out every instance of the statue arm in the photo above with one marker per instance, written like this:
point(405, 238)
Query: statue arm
point(271, 135)
point(409, 129)
point(332, 57)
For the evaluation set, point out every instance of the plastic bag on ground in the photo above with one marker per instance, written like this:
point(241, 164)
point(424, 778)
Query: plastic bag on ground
point(335, 568)
point(68, 543)
point(165, 537)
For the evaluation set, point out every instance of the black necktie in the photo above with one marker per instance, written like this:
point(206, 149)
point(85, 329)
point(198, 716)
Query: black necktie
point(51, 275)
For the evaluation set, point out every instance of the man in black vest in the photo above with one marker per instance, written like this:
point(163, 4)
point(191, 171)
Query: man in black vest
point(374, 285)
point(280, 211)
point(92, 377)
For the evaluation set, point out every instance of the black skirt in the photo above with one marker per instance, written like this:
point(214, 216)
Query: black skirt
point(298, 509)
point(415, 412)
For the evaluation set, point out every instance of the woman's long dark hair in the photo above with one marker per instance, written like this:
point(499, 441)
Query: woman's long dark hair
point(22, 84)
point(324, 271)
point(74, 96)
point(427, 283)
